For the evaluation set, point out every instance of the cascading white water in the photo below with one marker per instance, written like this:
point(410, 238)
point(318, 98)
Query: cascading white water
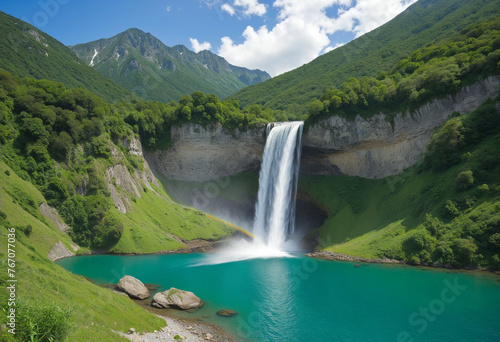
point(275, 208)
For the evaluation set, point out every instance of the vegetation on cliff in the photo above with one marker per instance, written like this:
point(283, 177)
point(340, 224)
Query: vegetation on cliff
point(444, 210)
point(433, 71)
point(64, 141)
point(53, 304)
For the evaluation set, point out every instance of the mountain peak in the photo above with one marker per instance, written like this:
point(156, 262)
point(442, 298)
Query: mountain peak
point(143, 64)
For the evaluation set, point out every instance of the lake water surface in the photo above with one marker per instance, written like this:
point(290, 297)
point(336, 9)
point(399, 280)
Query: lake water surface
point(304, 299)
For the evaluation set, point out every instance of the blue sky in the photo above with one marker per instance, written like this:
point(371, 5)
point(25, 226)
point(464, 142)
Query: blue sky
point(275, 36)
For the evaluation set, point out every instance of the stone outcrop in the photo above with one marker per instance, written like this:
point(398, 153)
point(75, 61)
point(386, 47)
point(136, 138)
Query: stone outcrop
point(124, 185)
point(59, 251)
point(52, 214)
point(376, 147)
point(203, 153)
point(176, 299)
point(133, 287)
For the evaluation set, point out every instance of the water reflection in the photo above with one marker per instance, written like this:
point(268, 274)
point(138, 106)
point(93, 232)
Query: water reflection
point(275, 318)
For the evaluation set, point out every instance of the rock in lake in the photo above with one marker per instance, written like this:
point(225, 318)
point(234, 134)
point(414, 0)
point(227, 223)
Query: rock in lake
point(133, 287)
point(176, 299)
point(226, 313)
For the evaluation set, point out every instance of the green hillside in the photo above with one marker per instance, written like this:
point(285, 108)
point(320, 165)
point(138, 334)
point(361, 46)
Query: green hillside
point(426, 21)
point(446, 209)
point(26, 51)
point(434, 71)
point(52, 303)
point(144, 65)
point(57, 147)
point(67, 143)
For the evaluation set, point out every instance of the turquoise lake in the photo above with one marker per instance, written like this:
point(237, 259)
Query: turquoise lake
point(304, 299)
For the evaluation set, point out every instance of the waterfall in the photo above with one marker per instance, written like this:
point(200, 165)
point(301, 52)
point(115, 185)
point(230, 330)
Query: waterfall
point(275, 207)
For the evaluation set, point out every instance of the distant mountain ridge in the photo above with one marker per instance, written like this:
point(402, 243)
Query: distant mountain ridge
point(141, 63)
point(25, 51)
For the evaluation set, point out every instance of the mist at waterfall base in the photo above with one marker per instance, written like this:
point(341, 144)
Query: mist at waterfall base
point(274, 222)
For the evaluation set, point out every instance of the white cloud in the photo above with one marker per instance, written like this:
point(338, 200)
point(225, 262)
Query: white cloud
point(245, 8)
point(251, 7)
point(228, 8)
point(367, 15)
point(197, 47)
point(302, 31)
point(169, 8)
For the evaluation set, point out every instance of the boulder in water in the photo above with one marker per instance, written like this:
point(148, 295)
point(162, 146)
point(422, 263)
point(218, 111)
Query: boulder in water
point(226, 313)
point(133, 287)
point(176, 299)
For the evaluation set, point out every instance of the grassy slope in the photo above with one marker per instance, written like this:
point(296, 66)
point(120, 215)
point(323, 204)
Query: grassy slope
point(371, 218)
point(42, 283)
point(424, 22)
point(24, 55)
point(153, 222)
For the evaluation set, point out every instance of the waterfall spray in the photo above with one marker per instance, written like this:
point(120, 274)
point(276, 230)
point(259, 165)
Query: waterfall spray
point(275, 208)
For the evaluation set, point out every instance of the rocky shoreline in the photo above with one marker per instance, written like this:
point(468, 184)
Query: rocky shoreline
point(177, 329)
point(327, 255)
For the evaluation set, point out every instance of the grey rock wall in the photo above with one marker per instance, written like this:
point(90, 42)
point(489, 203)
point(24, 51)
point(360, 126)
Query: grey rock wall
point(375, 148)
point(203, 153)
point(370, 148)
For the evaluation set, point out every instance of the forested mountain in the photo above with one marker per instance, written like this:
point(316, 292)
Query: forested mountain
point(27, 51)
point(425, 22)
point(433, 71)
point(143, 64)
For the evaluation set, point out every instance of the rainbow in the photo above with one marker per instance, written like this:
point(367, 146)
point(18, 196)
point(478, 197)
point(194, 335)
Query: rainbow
point(232, 226)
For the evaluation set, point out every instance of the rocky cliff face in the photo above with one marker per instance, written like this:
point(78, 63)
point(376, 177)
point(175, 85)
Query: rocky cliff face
point(124, 185)
point(375, 148)
point(370, 148)
point(204, 153)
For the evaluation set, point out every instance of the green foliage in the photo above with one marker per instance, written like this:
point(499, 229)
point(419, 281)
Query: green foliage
point(422, 216)
point(444, 147)
point(27, 230)
point(38, 324)
point(433, 71)
point(451, 143)
point(451, 210)
point(495, 240)
point(427, 21)
point(465, 180)
point(100, 147)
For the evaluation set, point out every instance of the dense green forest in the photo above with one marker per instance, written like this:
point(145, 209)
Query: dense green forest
point(56, 138)
point(426, 21)
point(435, 70)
